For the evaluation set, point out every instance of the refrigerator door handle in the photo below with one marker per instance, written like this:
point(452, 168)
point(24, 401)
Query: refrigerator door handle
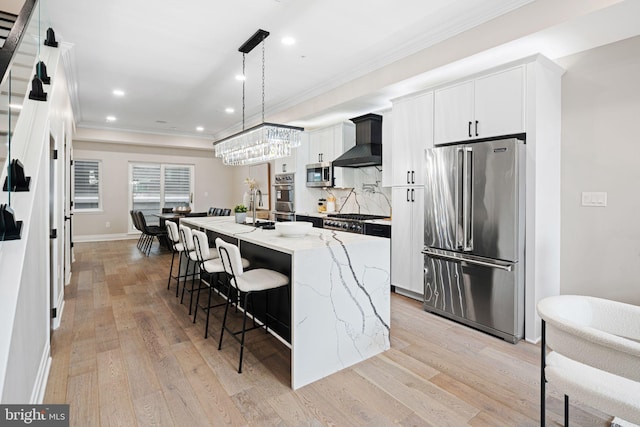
point(505, 267)
point(459, 189)
point(467, 200)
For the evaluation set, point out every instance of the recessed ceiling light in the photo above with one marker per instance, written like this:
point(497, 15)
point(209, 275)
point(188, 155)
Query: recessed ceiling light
point(229, 110)
point(199, 128)
point(288, 41)
point(118, 92)
point(111, 118)
point(240, 77)
point(15, 106)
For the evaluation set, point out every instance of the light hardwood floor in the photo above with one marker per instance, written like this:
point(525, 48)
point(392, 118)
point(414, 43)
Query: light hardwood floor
point(128, 354)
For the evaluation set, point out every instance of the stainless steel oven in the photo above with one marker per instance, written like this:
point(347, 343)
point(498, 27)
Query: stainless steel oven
point(285, 197)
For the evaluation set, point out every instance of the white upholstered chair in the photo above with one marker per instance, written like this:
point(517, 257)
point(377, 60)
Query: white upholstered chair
point(595, 354)
point(247, 283)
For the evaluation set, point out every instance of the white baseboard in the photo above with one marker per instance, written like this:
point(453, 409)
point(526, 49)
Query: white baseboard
point(104, 237)
point(58, 318)
point(40, 386)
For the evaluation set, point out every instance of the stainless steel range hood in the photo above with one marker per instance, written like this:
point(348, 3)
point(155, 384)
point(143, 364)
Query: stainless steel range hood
point(368, 148)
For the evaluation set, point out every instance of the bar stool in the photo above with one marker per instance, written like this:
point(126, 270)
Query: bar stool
point(190, 255)
point(209, 262)
point(248, 283)
point(176, 248)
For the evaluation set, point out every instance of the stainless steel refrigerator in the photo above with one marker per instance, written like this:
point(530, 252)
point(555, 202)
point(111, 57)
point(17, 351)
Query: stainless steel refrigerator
point(474, 235)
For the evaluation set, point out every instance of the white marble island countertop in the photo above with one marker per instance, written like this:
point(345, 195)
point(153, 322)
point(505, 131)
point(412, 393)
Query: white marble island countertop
point(340, 289)
point(316, 238)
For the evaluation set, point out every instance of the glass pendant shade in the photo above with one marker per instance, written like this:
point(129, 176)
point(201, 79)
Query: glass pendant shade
point(258, 144)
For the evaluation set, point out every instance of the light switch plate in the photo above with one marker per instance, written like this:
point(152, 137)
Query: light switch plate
point(598, 199)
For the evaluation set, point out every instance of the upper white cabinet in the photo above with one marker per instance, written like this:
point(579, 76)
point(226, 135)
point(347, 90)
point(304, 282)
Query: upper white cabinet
point(487, 106)
point(286, 164)
point(326, 144)
point(412, 135)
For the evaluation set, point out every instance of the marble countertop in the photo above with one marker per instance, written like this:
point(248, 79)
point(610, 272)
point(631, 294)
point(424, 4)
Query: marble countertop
point(316, 238)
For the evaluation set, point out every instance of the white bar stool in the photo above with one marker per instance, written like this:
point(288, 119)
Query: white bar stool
point(209, 262)
point(176, 248)
point(248, 283)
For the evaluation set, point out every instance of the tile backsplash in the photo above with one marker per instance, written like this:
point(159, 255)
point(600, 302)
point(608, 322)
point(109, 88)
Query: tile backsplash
point(367, 197)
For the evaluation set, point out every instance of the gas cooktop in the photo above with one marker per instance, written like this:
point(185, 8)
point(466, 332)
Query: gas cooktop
point(355, 217)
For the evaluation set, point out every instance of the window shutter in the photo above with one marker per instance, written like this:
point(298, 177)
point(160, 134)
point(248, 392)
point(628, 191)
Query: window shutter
point(146, 188)
point(177, 186)
point(86, 184)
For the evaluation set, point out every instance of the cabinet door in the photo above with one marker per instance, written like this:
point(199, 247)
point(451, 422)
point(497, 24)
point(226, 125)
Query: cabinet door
point(422, 136)
point(321, 145)
point(412, 133)
point(401, 230)
point(407, 238)
point(417, 240)
point(453, 113)
point(499, 103)
point(285, 164)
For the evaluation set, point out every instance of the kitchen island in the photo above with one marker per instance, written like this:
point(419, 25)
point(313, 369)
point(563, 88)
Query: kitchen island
point(339, 292)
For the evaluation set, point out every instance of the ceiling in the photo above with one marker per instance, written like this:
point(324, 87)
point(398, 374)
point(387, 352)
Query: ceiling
point(176, 61)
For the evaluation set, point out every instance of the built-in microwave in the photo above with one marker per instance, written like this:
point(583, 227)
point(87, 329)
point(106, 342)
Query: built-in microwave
point(320, 175)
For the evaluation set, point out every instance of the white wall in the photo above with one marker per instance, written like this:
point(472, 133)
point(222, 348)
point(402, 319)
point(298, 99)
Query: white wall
point(212, 182)
point(25, 264)
point(600, 254)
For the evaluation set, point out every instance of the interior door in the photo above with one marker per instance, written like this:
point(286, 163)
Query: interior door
point(443, 190)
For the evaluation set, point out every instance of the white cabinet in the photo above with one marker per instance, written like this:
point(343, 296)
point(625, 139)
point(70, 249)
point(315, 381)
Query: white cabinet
point(285, 164)
point(487, 106)
point(407, 239)
point(326, 144)
point(412, 135)
point(321, 145)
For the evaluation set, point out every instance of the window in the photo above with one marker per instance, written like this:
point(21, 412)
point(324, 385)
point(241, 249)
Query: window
point(86, 185)
point(155, 186)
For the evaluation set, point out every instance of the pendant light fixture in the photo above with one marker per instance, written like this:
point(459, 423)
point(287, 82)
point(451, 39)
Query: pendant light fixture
point(261, 143)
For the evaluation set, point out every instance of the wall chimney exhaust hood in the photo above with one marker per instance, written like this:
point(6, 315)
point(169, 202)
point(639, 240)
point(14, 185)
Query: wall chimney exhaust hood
point(368, 148)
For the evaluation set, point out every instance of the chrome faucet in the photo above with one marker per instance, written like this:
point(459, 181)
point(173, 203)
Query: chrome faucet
point(255, 194)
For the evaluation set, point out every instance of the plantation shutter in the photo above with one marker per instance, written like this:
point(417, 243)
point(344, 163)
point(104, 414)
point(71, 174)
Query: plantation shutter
point(177, 186)
point(86, 181)
point(146, 188)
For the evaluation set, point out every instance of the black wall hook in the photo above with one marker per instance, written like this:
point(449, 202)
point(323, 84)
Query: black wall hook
point(10, 229)
point(41, 72)
point(51, 38)
point(37, 91)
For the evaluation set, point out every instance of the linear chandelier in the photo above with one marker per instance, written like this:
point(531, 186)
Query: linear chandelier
point(261, 143)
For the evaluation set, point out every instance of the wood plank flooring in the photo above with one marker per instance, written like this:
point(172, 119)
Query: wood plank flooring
point(128, 354)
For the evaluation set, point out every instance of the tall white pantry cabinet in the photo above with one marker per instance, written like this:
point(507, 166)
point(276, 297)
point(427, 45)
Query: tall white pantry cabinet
point(522, 97)
point(412, 135)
